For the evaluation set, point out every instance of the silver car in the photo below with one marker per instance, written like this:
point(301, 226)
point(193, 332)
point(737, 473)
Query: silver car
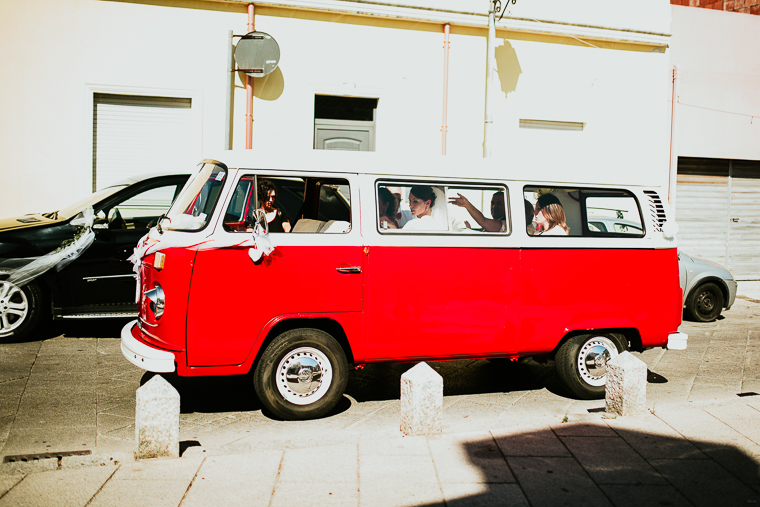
point(708, 287)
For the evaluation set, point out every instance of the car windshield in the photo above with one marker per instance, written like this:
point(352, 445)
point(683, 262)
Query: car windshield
point(195, 204)
point(80, 205)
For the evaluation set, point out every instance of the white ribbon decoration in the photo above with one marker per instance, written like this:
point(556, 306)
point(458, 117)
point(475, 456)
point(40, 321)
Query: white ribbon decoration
point(60, 257)
point(259, 245)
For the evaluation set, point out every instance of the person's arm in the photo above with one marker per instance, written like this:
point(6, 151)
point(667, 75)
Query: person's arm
point(488, 224)
point(285, 220)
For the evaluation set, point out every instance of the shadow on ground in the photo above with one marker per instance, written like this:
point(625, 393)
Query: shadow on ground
point(580, 464)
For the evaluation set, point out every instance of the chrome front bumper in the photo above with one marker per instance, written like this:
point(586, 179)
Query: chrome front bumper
point(677, 341)
point(144, 356)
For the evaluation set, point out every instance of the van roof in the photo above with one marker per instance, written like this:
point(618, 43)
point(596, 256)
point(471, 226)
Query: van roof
point(405, 165)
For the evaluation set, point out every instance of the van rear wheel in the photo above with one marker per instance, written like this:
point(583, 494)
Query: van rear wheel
point(582, 363)
point(301, 375)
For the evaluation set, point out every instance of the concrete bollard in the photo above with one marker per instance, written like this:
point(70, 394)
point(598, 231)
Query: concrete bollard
point(157, 420)
point(421, 401)
point(626, 387)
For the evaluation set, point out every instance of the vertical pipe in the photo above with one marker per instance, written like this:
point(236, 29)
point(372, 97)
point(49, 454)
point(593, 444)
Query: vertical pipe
point(249, 90)
point(230, 77)
point(673, 167)
point(491, 56)
point(444, 126)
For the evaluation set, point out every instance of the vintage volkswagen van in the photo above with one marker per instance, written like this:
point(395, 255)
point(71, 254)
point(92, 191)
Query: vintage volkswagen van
point(397, 262)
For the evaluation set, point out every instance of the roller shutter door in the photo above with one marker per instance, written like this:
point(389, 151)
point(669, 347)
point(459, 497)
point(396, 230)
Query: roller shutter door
point(135, 135)
point(718, 211)
point(744, 226)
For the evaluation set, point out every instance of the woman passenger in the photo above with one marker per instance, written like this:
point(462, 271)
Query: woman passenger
point(550, 217)
point(387, 208)
point(421, 202)
point(276, 218)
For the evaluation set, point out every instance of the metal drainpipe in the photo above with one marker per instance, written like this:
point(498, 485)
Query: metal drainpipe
point(673, 169)
point(230, 81)
point(249, 89)
point(445, 127)
point(491, 56)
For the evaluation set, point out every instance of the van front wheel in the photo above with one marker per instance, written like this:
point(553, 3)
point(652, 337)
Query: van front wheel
point(301, 375)
point(582, 363)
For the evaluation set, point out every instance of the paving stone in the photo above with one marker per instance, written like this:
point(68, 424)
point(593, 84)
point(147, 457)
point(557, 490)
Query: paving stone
point(626, 495)
point(469, 458)
point(236, 480)
point(379, 481)
point(399, 446)
point(483, 495)
point(740, 417)
point(55, 417)
point(374, 494)
point(710, 390)
point(611, 461)
point(316, 493)
point(591, 425)
point(337, 463)
point(704, 482)
point(529, 440)
point(652, 438)
point(27, 441)
point(556, 481)
point(58, 487)
point(9, 481)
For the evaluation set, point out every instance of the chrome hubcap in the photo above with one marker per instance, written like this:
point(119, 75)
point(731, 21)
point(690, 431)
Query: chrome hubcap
point(593, 359)
point(14, 307)
point(304, 376)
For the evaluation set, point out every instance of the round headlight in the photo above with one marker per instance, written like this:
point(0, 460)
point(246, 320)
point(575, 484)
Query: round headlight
point(157, 300)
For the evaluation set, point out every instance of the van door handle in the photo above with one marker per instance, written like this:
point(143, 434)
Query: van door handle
point(350, 269)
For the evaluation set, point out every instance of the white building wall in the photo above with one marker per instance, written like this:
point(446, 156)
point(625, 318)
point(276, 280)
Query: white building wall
point(63, 51)
point(718, 109)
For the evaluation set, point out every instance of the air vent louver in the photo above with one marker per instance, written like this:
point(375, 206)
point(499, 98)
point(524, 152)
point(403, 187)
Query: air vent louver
point(656, 209)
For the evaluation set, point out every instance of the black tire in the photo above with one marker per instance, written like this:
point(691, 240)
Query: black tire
point(705, 303)
point(301, 395)
point(22, 309)
point(581, 362)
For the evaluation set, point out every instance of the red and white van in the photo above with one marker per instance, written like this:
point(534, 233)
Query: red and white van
point(442, 279)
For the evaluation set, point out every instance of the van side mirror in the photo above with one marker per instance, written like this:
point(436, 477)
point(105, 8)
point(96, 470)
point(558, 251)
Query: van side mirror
point(259, 221)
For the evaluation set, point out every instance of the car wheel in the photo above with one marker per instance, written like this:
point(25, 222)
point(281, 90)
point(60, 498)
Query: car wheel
point(705, 303)
point(301, 375)
point(21, 309)
point(582, 363)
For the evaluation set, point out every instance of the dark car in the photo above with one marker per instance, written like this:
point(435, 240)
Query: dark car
point(100, 282)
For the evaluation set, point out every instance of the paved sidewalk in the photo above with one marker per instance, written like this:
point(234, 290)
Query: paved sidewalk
point(504, 439)
point(697, 455)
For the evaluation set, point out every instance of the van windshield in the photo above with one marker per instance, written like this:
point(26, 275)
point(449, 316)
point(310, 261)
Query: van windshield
point(195, 204)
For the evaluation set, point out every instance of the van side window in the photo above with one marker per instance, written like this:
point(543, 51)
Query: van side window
point(440, 208)
point(581, 212)
point(614, 214)
point(292, 204)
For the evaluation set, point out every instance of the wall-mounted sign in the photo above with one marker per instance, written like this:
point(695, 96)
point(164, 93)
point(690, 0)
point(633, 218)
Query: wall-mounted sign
point(257, 54)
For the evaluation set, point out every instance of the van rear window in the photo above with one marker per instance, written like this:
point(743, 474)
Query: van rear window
point(582, 212)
